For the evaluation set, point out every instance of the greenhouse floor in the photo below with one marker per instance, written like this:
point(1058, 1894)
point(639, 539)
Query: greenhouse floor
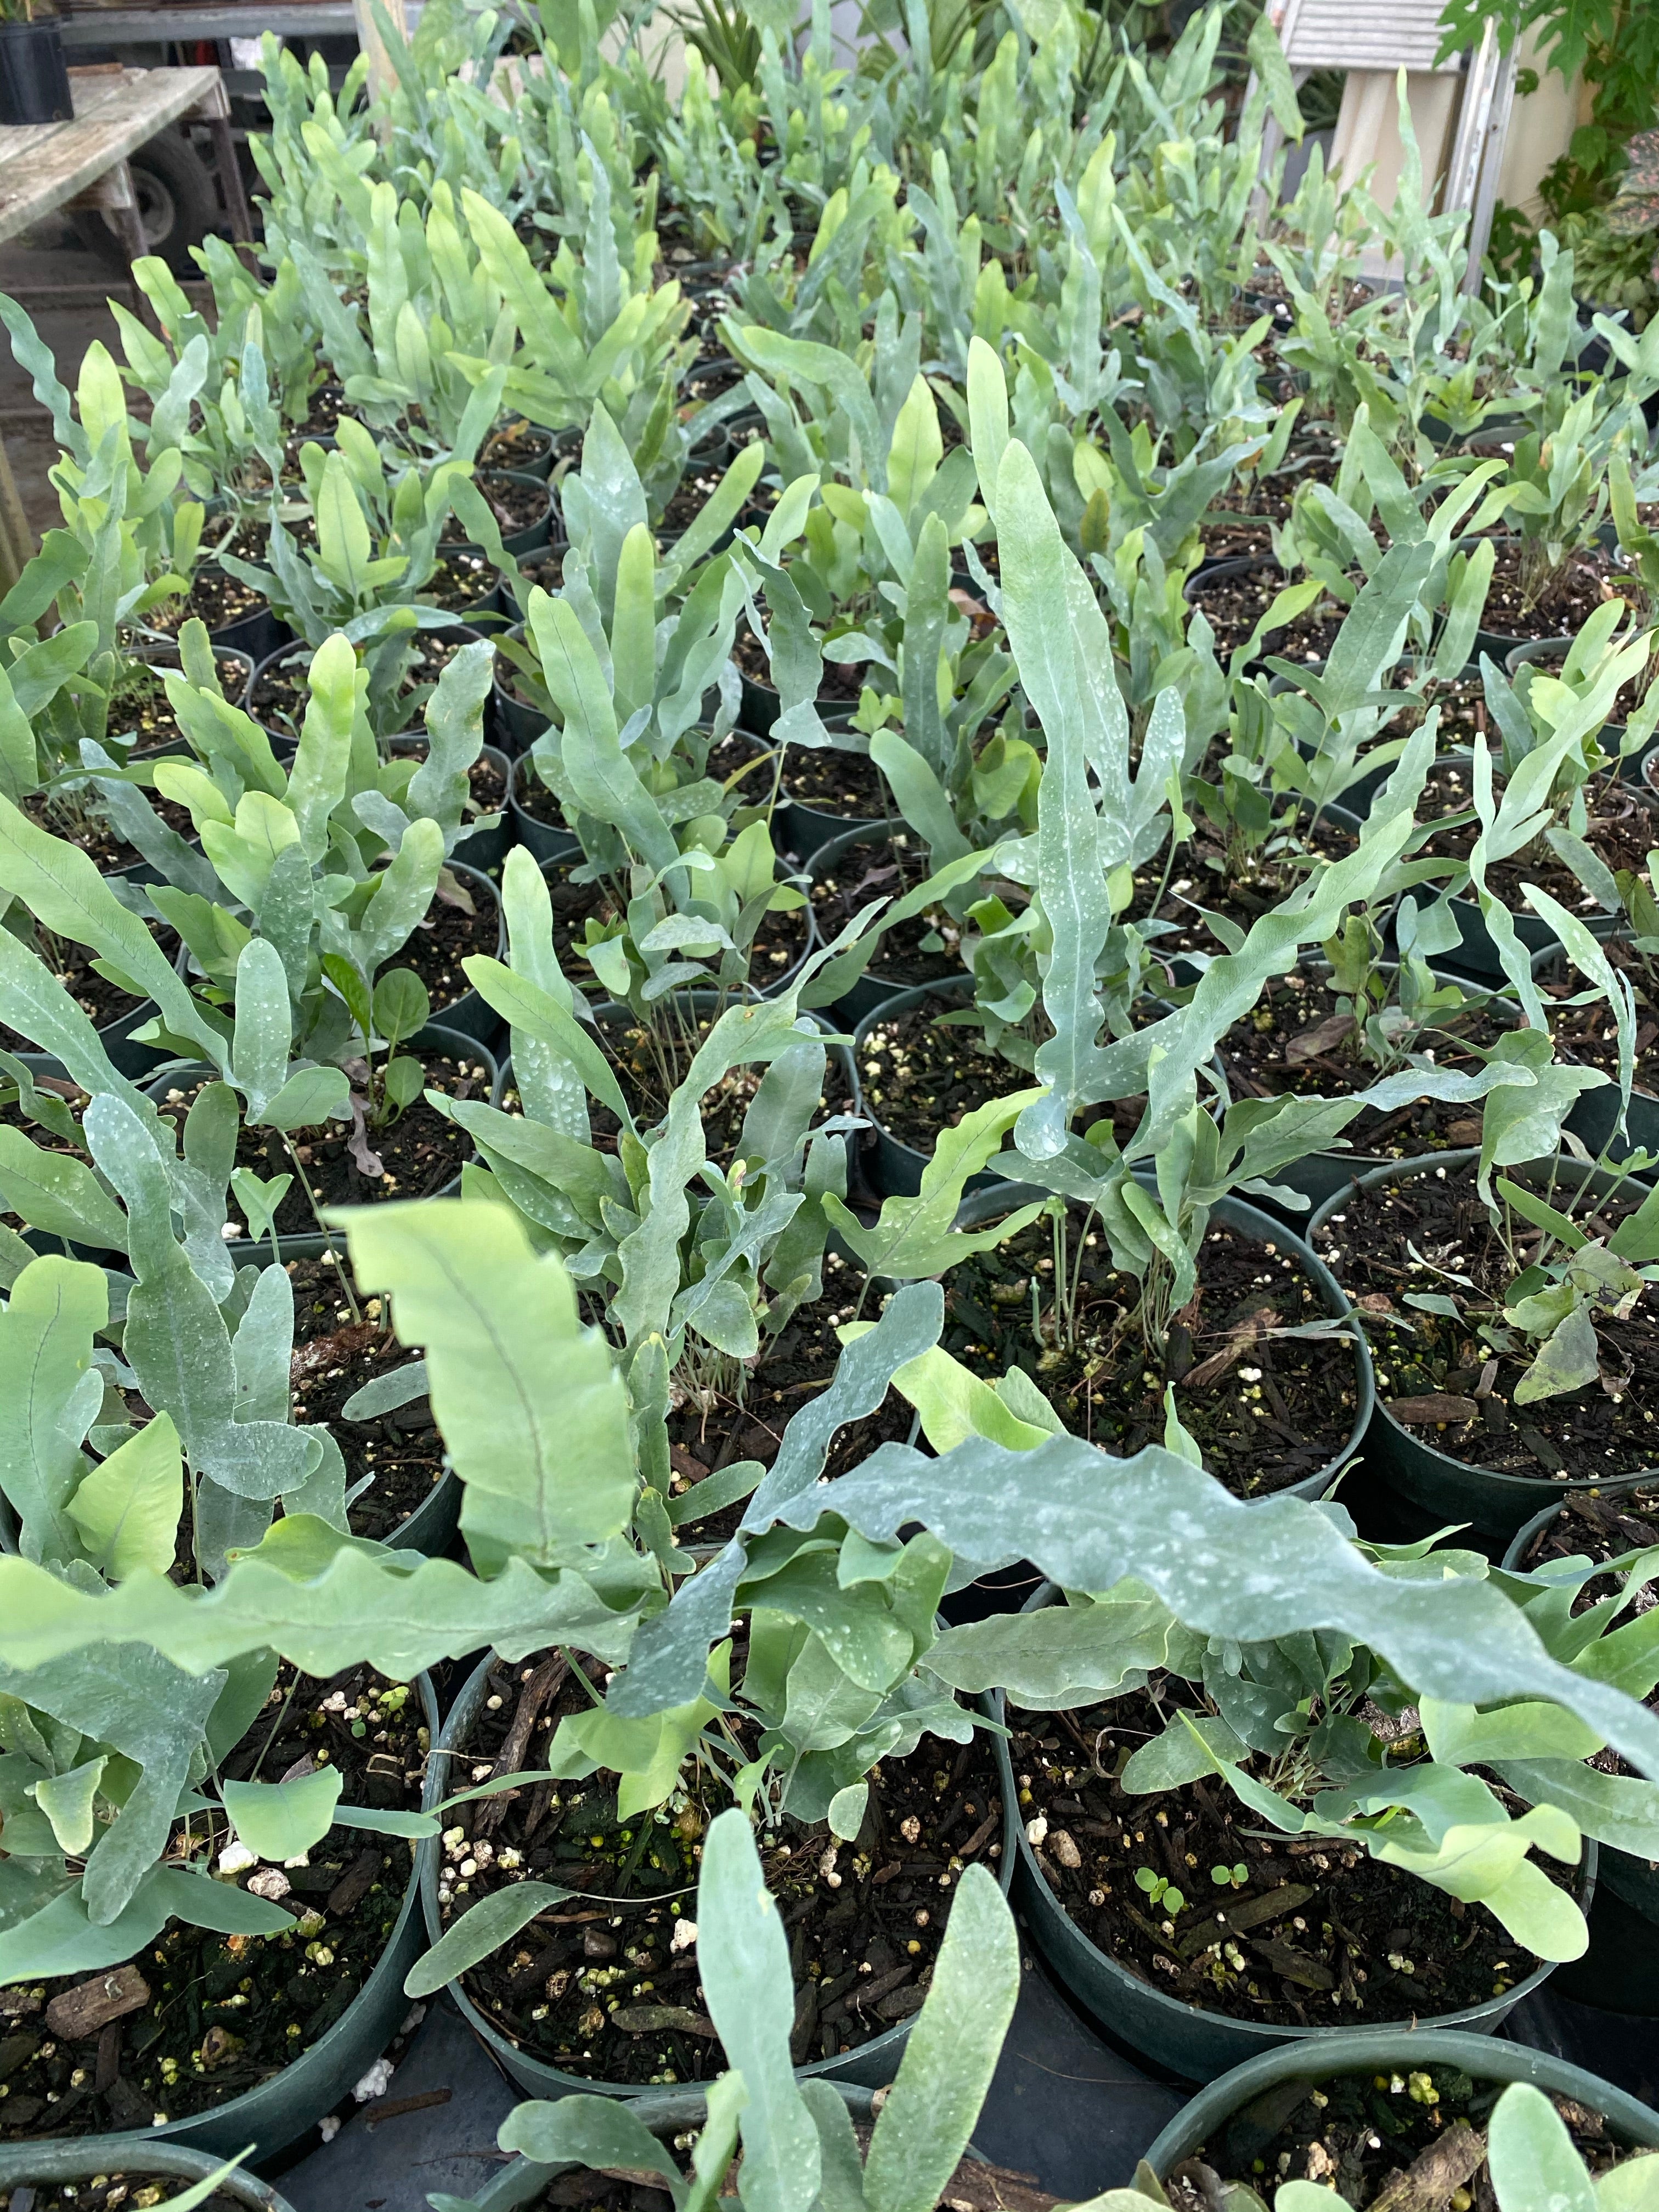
point(1064, 2108)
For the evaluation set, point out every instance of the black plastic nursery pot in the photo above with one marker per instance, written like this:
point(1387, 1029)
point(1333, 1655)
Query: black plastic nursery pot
point(1492, 1499)
point(984, 1204)
point(436, 1037)
point(484, 844)
point(1189, 2042)
point(34, 86)
point(282, 2109)
point(1476, 955)
point(21, 2165)
point(806, 829)
point(538, 837)
point(534, 535)
point(536, 572)
point(255, 635)
point(1367, 2051)
point(467, 1014)
point(1594, 1119)
point(667, 2112)
point(518, 724)
point(1321, 1176)
point(1620, 1972)
point(892, 1168)
point(870, 2066)
point(878, 983)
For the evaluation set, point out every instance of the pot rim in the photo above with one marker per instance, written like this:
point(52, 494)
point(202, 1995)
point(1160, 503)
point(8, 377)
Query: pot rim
point(1400, 1171)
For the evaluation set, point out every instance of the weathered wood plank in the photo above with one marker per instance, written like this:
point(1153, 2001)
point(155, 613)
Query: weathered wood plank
point(43, 165)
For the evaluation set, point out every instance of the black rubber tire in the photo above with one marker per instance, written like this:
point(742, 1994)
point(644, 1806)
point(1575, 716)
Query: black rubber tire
point(178, 204)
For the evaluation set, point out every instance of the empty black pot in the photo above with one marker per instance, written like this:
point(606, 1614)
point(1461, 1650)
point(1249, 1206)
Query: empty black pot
point(34, 86)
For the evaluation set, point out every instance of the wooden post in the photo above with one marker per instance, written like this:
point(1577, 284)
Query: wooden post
point(382, 78)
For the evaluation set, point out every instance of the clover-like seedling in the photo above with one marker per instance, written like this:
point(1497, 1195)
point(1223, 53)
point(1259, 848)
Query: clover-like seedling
point(1229, 1877)
point(1159, 1891)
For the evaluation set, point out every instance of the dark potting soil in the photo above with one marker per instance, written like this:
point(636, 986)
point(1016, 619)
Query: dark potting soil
point(535, 799)
point(1200, 879)
point(1234, 604)
point(1589, 1034)
point(419, 1152)
point(1618, 832)
point(649, 1063)
point(214, 598)
point(746, 765)
point(603, 1993)
point(1240, 521)
point(794, 1367)
point(325, 406)
point(1566, 601)
point(689, 496)
point(1600, 1525)
point(124, 2187)
point(1446, 1383)
point(1266, 1410)
point(515, 505)
point(198, 2018)
point(279, 695)
point(1296, 1043)
point(1316, 1935)
point(839, 685)
point(1416, 2133)
point(708, 380)
point(545, 567)
point(99, 1000)
point(516, 445)
point(334, 1355)
point(924, 950)
point(835, 781)
point(457, 924)
point(459, 581)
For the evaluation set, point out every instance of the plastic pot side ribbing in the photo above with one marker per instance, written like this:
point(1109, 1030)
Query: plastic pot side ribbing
point(870, 2066)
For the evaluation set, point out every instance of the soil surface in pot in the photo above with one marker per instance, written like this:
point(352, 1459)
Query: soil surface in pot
point(1240, 522)
point(603, 1993)
point(649, 1064)
point(833, 781)
point(460, 580)
point(779, 941)
point(535, 799)
point(214, 598)
point(1316, 1934)
point(118, 2188)
point(336, 1352)
point(839, 685)
point(99, 1000)
point(198, 2018)
point(1618, 832)
point(1567, 600)
point(708, 1431)
point(921, 1073)
point(280, 693)
point(1233, 605)
point(457, 924)
point(139, 708)
point(1297, 1043)
point(1417, 2133)
point(1593, 1525)
point(418, 1154)
point(686, 502)
point(925, 948)
point(1589, 1034)
point(1266, 1410)
point(514, 445)
point(1435, 1375)
point(1199, 880)
point(515, 505)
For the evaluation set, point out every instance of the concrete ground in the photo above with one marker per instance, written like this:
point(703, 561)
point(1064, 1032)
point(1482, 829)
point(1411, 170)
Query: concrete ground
point(64, 288)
